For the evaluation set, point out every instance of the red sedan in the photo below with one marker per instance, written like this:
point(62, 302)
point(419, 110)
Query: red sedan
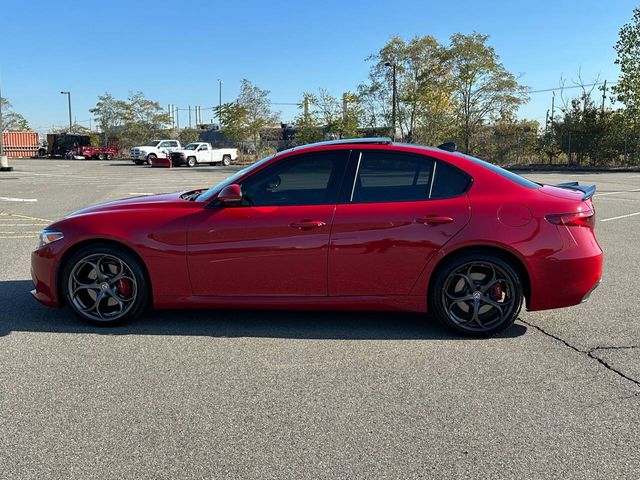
point(361, 224)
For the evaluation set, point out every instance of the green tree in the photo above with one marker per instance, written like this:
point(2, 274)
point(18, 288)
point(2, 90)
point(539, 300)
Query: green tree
point(234, 121)
point(189, 135)
point(424, 109)
point(109, 114)
point(307, 123)
point(257, 107)
point(483, 89)
point(627, 47)
point(12, 121)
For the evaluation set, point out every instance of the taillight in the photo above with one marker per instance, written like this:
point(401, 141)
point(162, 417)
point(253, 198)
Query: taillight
point(577, 219)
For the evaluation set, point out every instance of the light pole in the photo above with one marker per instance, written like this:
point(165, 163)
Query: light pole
point(393, 101)
point(219, 99)
point(1, 126)
point(68, 94)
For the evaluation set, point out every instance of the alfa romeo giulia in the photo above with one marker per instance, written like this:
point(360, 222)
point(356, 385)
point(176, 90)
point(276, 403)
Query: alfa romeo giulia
point(362, 224)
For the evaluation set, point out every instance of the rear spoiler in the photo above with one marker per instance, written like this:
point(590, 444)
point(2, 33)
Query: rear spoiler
point(587, 191)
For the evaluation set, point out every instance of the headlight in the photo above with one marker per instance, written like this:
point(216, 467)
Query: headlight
point(48, 236)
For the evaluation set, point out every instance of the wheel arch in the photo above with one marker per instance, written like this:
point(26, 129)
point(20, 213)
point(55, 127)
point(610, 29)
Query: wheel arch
point(505, 254)
point(97, 241)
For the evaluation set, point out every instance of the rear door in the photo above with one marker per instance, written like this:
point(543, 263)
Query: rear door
point(400, 210)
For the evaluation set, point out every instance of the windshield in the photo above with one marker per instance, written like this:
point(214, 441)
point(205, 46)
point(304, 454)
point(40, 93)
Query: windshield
point(213, 191)
point(153, 143)
point(191, 146)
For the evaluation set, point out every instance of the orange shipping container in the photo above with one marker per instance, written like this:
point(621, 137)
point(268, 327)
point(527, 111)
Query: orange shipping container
point(20, 140)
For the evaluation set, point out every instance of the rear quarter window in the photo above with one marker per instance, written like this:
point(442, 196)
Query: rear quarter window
point(448, 181)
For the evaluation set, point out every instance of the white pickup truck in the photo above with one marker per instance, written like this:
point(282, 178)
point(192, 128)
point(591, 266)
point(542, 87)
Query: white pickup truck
point(203, 153)
point(153, 149)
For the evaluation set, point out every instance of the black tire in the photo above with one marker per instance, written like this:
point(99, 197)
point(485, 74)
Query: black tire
point(476, 294)
point(101, 156)
point(82, 264)
point(226, 160)
point(191, 162)
point(109, 156)
point(138, 162)
point(150, 158)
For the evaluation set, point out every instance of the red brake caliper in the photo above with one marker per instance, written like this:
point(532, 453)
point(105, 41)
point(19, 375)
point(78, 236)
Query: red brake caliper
point(496, 292)
point(124, 287)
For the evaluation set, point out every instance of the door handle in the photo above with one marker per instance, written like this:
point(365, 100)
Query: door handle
point(307, 224)
point(434, 220)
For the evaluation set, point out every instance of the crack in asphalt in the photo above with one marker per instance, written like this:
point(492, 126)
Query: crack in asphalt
point(589, 353)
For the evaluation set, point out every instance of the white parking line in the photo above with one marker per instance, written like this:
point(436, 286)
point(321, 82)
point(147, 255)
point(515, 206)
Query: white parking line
point(616, 193)
point(140, 193)
point(12, 199)
point(620, 216)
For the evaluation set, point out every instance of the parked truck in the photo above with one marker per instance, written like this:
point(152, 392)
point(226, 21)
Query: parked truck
point(68, 145)
point(203, 153)
point(152, 150)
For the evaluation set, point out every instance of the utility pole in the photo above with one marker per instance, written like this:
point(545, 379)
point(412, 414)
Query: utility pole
point(1, 126)
point(68, 94)
point(393, 101)
point(546, 122)
point(604, 94)
point(219, 99)
point(553, 108)
point(189, 116)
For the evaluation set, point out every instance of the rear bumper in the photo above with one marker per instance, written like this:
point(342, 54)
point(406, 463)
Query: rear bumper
point(557, 283)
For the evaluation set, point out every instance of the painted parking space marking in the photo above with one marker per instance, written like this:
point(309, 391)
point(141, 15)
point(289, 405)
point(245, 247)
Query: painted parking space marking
point(140, 193)
point(617, 192)
point(14, 199)
point(620, 216)
point(28, 217)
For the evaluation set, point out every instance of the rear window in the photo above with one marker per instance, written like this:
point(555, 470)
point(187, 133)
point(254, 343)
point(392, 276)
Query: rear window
point(514, 177)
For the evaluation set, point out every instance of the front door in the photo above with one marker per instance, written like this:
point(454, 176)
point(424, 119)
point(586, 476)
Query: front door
point(395, 219)
point(276, 243)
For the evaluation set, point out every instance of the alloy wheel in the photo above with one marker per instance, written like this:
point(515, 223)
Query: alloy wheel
point(478, 296)
point(102, 287)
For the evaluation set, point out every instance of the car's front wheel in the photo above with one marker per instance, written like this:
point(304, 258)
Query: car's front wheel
point(105, 285)
point(476, 294)
point(191, 162)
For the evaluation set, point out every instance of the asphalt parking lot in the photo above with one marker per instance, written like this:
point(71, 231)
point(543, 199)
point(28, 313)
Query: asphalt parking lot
point(241, 394)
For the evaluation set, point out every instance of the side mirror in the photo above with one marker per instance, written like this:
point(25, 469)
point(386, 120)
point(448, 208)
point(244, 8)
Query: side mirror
point(230, 195)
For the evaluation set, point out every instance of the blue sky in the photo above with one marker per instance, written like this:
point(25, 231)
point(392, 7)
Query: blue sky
point(175, 51)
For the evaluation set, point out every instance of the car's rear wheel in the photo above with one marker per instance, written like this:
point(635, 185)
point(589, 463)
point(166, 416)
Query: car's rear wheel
point(109, 156)
point(101, 156)
point(105, 285)
point(476, 294)
point(226, 160)
point(191, 162)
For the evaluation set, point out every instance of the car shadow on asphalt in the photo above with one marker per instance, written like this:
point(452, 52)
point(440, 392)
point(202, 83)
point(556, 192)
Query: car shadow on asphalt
point(19, 312)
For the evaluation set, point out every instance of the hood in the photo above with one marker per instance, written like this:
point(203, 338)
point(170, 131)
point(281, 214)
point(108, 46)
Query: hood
point(162, 200)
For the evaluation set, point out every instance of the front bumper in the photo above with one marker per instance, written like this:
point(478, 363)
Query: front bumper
point(43, 275)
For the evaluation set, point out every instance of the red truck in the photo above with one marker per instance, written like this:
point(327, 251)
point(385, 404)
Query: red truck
point(101, 153)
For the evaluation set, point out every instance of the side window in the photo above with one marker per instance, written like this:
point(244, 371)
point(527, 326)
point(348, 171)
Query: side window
point(448, 181)
point(203, 147)
point(163, 145)
point(308, 179)
point(392, 177)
